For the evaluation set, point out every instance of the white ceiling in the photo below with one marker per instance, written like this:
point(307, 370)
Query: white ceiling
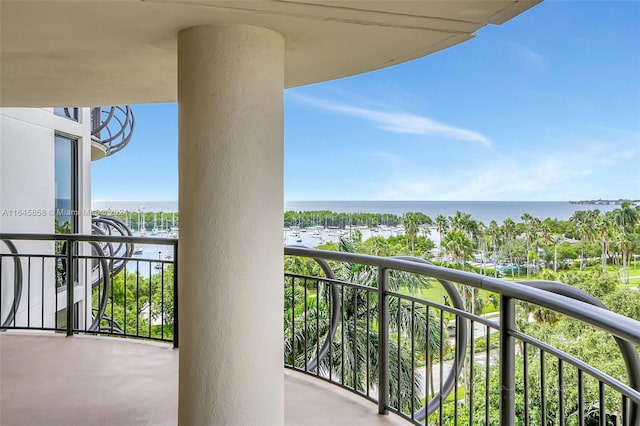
point(98, 52)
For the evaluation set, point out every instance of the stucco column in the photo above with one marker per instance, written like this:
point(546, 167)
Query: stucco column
point(230, 89)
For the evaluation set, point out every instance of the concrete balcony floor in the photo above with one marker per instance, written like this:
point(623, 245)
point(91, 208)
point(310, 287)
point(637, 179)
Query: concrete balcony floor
point(48, 379)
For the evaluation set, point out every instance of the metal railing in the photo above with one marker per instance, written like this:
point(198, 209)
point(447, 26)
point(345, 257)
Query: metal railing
point(350, 321)
point(353, 320)
point(111, 126)
point(116, 285)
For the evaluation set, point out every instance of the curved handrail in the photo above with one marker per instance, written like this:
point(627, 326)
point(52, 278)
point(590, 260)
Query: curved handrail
point(117, 121)
point(461, 337)
point(628, 351)
point(617, 325)
point(100, 225)
point(102, 307)
point(111, 225)
point(108, 225)
point(115, 325)
point(335, 315)
point(17, 283)
point(461, 345)
point(555, 296)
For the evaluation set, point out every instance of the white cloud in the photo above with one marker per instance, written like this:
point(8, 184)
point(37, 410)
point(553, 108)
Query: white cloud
point(395, 121)
point(389, 158)
point(529, 58)
point(560, 175)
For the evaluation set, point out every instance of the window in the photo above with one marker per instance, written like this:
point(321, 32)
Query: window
point(66, 184)
point(66, 198)
point(70, 113)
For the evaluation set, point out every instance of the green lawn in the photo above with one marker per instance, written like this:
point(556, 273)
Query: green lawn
point(634, 274)
point(435, 294)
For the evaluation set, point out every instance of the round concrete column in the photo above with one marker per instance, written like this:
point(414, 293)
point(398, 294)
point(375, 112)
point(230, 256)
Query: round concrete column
point(230, 89)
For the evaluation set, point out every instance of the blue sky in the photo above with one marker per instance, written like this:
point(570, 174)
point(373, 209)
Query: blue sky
point(543, 107)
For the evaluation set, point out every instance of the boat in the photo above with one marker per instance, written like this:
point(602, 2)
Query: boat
point(137, 250)
point(155, 229)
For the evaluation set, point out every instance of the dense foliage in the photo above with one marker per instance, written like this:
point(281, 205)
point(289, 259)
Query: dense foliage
point(138, 305)
point(591, 251)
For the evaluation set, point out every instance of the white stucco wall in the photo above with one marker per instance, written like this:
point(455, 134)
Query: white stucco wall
point(27, 203)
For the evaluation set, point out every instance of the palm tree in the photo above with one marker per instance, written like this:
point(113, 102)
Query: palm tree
point(583, 223)
point(460, 248)
point(411, 223)
point(626, 217)
point(557, 240)
point(526, 218)
point(462, 221)
point(478, 233)
point(509, 229)
point(636, 228)
point(442, 226)
point(493, 231)
point(545, 238)
point(535, 235)
point(604, 228)
point(627, 244)
point(355, 344)
point(577, 217)
point(530, 229)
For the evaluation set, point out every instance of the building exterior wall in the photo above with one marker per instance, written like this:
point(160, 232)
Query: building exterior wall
point(27, 204)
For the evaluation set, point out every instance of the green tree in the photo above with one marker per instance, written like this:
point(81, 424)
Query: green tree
point(128, 300)
point(566, 252)
point(493, 231)
point(529, 230)
point(462, 221)
point(411, 223)
point(604, 229)
point(442, 227)
point(355, 344)
point(137, 305)
point(508, 230)
point(625, 301)
point(626, 217)
point(459, 247)
point(627, 243)
point(584, 224)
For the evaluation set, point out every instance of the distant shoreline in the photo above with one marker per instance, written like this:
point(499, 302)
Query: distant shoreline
point(606, 202)
point(484, 211)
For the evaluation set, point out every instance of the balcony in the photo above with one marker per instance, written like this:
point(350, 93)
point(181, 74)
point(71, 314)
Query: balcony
point(355, 345)
point(111, 128)
point(88, 380)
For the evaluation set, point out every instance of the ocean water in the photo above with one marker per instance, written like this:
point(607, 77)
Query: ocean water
point(136, 205)
point(484, 211)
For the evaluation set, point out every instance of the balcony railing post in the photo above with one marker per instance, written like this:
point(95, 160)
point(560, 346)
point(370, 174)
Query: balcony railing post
point(507, 361)
point(175, 295)
point(70, 283)
point(383, 341)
